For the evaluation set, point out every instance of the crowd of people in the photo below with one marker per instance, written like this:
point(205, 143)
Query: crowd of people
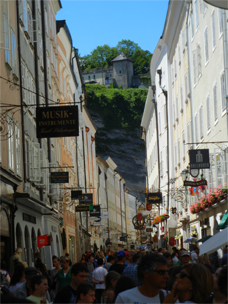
point(126, 276)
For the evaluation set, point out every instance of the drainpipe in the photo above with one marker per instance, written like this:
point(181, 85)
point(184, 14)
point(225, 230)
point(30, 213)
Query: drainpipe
point(83, 145)
point(106, 191)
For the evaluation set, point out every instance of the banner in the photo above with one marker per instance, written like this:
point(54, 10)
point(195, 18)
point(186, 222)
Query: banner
point(42, 241)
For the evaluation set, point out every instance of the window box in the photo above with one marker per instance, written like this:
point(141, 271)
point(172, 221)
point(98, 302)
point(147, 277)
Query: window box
point(15, 78)
point(31, 46)
point(42, 69)
point(21, 23)
point(186, 101)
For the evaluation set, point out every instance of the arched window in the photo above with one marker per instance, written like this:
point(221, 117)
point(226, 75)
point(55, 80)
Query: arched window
point(27, 245)
point(18, 236)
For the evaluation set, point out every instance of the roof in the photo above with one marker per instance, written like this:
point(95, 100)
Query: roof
point(122, 57)
point(98, 70)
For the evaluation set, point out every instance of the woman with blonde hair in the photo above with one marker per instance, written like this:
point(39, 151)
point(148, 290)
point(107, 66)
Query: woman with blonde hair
point(193, 284)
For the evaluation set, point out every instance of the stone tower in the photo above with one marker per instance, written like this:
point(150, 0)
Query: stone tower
point(123, 71)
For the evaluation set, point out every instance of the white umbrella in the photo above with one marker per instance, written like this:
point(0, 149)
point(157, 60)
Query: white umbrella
point(191, 239)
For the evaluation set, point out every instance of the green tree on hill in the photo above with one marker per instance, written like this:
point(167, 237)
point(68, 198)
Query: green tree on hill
point(102, 56)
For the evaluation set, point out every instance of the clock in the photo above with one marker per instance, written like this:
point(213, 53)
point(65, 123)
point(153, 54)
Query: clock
point(194, 172)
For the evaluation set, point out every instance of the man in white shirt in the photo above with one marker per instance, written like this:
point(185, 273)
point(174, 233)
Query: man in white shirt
point(152, 271)
point(98, 278)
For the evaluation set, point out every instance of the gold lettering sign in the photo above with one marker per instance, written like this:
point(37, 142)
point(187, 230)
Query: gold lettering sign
point(57, 121)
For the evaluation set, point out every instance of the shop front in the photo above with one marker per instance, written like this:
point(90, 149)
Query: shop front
point(7, 213)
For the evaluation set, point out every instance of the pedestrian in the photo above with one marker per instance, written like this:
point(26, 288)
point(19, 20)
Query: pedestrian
point(119, 266)
point(63, 276)
point(5, 274)
point(25, 289)
point(224, 260)
point(110, 283)
point(53, 274)
point(68, 294)
point(123, 283)
point(18, 277)
point(91, 266)
point(110, 262)
point(184, 258)
point(85, 294)
point(39, 286)
point(152, 271)
point(98, 278)
point(193, 284)
point(168, 256)
point(43, 269)
point(131, 270)
point(68, 257)
point(222, 282)
point(194, 254)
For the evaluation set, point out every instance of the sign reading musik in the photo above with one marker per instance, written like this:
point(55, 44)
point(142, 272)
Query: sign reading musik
point(154, 198)
point(59, 177)
point(57, 121)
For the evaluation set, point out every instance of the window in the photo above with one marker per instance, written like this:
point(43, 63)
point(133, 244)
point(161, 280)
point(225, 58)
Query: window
point(18, 150)
point(161, 164)
point(203, 7)
point(64, 86)
point(223, 91)
point(60, 81)
point(186, 84)
point(25, 21)
point(179, 55)
point(197, 14)
point(94, 76)
point(215, 102)
point(6, 39)
point(175, 67)
point(189, 137)
point(220, 11)
point(178, 151)
point(196, 127)
point(208, 113)
point(183, 144)
point(174, 115)
point(206, 45)
point(14, 53)
point(182, 99)
point(10, 143)
point(213, 30)
point(183, 39)
point(192, 25)
point(120, 72)
point(201, 121)
point(177, 109)
point(89, 77)
point(194, 67)
point(199, 60)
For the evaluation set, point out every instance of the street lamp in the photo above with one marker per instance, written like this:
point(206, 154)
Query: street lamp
point(184, 175)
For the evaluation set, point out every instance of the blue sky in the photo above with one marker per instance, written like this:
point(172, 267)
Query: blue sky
point(94, 23)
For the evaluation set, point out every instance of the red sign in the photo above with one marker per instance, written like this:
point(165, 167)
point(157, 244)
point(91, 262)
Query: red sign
point(172, 241)
point(41, 241)
point(148, 207)
point(139, 216)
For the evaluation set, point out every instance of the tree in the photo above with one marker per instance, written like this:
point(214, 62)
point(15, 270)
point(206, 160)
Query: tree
point(102, 56)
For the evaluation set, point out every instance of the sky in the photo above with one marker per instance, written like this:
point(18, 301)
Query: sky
point(94, 23)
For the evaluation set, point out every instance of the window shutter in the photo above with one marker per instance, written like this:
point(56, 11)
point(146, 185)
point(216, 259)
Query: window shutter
point(206, 45)
point(215, 102)
point(213, 29)
point(223, 91)
point(194, 66)
point(199, 60)
point(208, 113)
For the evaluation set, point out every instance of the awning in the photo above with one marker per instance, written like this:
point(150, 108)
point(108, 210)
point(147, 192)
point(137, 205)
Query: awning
point(224, 222)
point(215, 242)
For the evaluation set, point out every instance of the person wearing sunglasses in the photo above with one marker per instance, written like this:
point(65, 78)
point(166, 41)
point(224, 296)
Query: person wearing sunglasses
point(152, 271)
point(193, 284)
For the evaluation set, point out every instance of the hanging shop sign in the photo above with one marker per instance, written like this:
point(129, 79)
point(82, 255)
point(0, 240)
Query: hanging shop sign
point(96, 211)
point(57, 121)
point(149, 229)
point(86, 199)
point(82, 208)
point(199, 159)
point(76, 194)
point(59, 177)
point(154, 198)
point(104, 214)
point(44, 240)
point(195, 184)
